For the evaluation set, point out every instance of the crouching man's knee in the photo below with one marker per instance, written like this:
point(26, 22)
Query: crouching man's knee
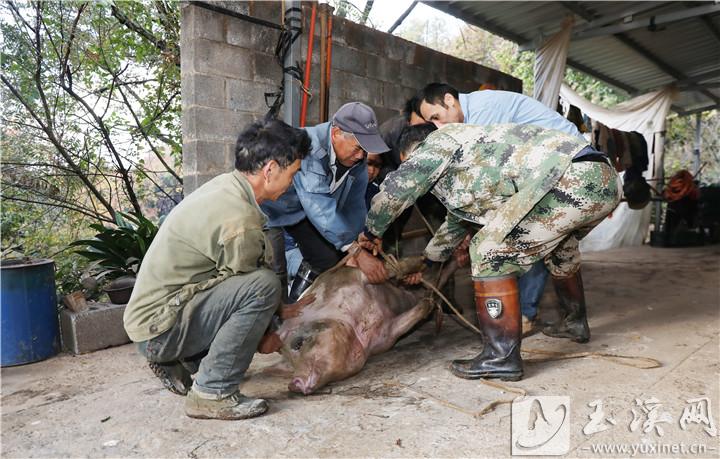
point(266, 284)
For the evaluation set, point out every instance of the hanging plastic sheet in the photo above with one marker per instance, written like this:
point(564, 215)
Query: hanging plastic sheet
point(645, 114)
point(549, 67)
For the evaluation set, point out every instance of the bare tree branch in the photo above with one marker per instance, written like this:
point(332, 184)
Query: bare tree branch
point(146, 34)
point(157, 153)
point(58, 146)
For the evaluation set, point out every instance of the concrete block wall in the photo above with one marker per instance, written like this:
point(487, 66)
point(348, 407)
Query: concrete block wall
point(227, 64)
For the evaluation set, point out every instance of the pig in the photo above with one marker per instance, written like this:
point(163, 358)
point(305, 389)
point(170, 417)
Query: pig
point(348, 321)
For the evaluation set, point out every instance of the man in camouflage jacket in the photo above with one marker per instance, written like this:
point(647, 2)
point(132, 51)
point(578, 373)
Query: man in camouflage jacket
point(526, 193)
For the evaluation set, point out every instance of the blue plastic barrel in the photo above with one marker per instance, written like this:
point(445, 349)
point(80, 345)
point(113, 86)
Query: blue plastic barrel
point(28, 311)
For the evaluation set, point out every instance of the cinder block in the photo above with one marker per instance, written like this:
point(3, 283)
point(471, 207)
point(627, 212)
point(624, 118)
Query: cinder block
point(354, 88)
point(383, 114)
point(401, 50)
point(214, 125)
point(234, 5)
point(412, 76)
point(194, 181)
point(267, 69)
point(348, 60)
point(358, 36)
point(98, 327)
point(201, 23)
point(383, 69)
point(395, 95)
point(251, 36)
point(247, 96)
point(205, 90)
point(269, 11)
point(210, 157)
point(213, 58)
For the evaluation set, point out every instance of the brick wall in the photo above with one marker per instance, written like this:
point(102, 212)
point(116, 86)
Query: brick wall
point(227, 64)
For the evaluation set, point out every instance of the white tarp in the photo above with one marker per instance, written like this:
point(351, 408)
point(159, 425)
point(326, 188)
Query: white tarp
point(645, 114)
point(549, 59)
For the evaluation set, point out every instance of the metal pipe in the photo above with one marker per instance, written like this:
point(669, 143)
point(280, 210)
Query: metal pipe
point(322, 115)
point(328, 64)
point(308, 66)
point(291, 98)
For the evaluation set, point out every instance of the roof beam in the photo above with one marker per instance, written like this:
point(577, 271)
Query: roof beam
point(710, 25)
point(586, 14)
point(662, 65)
point(652, 21)
point(643, 7)
point(695, 86)
point(596, 25)
point(700, 78)
point(601, 76)
point(580, 10)
point(699, 110)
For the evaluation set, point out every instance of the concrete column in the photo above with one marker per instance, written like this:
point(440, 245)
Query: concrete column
point(698, 138)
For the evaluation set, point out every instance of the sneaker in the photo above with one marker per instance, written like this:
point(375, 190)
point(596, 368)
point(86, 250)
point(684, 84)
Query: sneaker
point(230, 408)
point(174, 376)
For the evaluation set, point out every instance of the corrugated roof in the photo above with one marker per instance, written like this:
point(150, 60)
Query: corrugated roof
point(634, 46)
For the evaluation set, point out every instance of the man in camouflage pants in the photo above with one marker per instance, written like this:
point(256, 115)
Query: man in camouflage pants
point(528, 194)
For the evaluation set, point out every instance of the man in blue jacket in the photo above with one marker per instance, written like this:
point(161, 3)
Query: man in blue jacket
point(442, 104)
point(324, 209)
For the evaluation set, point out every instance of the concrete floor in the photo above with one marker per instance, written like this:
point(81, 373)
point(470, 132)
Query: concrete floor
point(660, 303)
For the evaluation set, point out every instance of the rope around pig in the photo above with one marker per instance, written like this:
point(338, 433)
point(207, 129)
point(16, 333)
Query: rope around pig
point(643, 363)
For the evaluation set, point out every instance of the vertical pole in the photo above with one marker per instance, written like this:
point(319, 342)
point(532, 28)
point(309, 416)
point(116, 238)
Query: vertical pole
point(659, 149)
point(696, 151)
point(326, 15)
point(291, 109)
point(322, 10)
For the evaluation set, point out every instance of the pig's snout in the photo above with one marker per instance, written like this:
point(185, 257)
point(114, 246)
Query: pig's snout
point(302, 385)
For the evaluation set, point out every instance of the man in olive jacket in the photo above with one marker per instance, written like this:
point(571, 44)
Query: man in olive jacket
point(204, 297)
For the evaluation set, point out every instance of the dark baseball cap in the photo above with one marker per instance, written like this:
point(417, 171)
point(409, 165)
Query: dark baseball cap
point(359, 119)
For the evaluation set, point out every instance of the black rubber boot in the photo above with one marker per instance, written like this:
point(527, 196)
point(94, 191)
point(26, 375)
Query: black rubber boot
point(174, 376)
point(573, 314)
point(497, 303)
point(302, 281)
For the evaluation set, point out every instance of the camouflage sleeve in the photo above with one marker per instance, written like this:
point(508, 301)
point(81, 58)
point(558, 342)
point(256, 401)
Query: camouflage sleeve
point(447, 237)
point(412, 179)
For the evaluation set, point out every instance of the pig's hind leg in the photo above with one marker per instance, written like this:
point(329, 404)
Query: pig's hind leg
point(404, 323)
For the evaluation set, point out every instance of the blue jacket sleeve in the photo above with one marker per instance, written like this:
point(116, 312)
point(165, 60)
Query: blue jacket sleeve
point(339, 216)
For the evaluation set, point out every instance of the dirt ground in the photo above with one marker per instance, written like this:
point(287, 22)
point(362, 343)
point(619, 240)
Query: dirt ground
point(651, 302)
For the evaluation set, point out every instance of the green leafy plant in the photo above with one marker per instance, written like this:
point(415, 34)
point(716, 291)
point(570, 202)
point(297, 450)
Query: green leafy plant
point(119, 251)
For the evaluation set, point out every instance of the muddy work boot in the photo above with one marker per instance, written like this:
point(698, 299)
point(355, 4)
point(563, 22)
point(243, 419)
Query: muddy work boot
point(302, 281)
point(497, 304)
point(573, 316)
point(230, 408)
point(174, 376)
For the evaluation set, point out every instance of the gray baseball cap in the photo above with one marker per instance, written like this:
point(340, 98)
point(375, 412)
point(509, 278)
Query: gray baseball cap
point(359, 119)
